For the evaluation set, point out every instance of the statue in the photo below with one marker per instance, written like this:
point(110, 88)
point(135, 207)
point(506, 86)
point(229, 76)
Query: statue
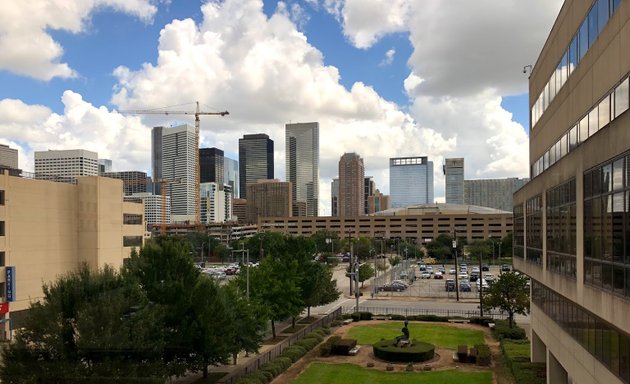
point(403, 340)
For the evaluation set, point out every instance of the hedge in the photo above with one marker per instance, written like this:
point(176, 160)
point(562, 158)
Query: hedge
point(324, 349)
point(418, 351)
point(343, 346)
point(483, 354)
point(502, 330)
point(516, 353)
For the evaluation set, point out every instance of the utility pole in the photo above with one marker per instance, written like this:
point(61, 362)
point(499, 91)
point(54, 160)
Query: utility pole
point(480, 285)
point(356, 277)
point(456, 268)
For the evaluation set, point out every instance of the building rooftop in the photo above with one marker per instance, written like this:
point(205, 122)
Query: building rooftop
point(440, 208)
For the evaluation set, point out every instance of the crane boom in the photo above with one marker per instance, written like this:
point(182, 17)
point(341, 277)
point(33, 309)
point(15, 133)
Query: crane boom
point(196, 113)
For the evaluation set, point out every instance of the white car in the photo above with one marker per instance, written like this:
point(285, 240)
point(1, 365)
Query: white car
point(462, 276)
point(489, 277)
point(425, 275)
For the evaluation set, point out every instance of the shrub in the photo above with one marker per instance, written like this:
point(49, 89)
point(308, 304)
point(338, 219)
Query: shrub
point(294, 352)
point(397, 317)
point(483, 354)
point(260, 377)
point(417, 352)
point(431, 318)
point(481, 320)
point(324, 349)
point(336, 323)
point(502, 330)
point(516, 355)
point(347, 316)
point(343, 346)
point(462, 353)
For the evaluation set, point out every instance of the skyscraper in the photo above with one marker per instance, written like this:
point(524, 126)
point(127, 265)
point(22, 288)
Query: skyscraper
point(104, 165)
point(492, 193)
point(571, 230)
point(351, 185)
point(230, 175)
point(65, 165)
point(255, 160)
point(8, 157)
point(211, 165)
point(269, 198)
point(377, 202)
point(302, 163)
point(368, 190)
point(216, 203)
point(454, 179)
point(410, 181)
point(173, 158)
point(334, 197)
point(133, 181)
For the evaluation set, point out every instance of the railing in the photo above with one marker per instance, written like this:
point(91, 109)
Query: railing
point(425, 311)
point(276, 351)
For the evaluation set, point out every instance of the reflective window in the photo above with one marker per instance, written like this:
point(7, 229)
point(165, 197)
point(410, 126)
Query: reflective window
point(593, 121)
point(622, 97)
point(618, 174)
point(604, 112)
point(592, 26)
point(615, 5)
point(573, 133)
point(583, 39)
point(583, 129)
point(573, 52)
point(602, 14)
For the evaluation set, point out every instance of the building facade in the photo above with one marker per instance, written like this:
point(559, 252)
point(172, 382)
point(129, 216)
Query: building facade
point(454, 180)
point(302, 164)
point(410, 181)
point(239, 211)
point(334, 198)
point(351, 185)
point(571, 220)
point(157, 208)
point(86, 222)
point(175, 151)
point(368, 190)
point(269, 198)
point(255, 160)
point(8, 157)
point(211, 166)
point(65, 165)
point(230, 175)
point(378, 202)
point(216, 203)
point(133, 181)
point(104, 165)
point(492, 193)
point(419, 224)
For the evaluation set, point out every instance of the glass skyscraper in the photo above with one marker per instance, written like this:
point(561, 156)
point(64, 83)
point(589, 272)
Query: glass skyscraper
point(454, 179)
point(410, 181)
point(302, 164)
point(255, 160)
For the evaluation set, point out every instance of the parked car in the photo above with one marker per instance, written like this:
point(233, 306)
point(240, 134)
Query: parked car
point(483, 283)
point(489, 277)
point(505, 268)
point(449, 285)
point(485, 268)
point(438, 275)
point(475, 270)
point(425, 275)
point(430, 269)
point(404, 275)
point(442, 270)
point(452, 271)
point(474, 276)
point(393, 287)
point(345, 258)
point(401, 283)
point(462, 276)
point(464, 286)
point(422, 267)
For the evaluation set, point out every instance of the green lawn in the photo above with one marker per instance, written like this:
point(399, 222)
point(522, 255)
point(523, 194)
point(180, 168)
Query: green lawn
point(318, 373)
point(440, 335)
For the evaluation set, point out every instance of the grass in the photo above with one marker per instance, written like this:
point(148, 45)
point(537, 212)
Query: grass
point(350, 373)
point(443, 336)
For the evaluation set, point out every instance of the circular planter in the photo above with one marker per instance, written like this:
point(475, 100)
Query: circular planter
point(417, 352)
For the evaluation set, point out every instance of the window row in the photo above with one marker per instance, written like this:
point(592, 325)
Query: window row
point(533, 222)
point(561, 219)
point(132, 219)
point(562, 264)
point(606, 343)
point(132, 241)
point(591, 26)
point(612, 176)
point(607, 276)
point(608, 109)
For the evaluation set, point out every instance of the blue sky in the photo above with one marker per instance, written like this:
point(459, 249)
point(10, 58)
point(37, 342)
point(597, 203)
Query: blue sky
point(383, 78)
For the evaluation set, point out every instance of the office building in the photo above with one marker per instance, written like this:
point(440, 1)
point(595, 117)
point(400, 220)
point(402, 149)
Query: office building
point(419, 223)
point(492, 193)
point(378, 202)
point(368, 190)
point(133, 181)
point(157, 208)
point(173, 160)
point(334, 198)
point(239, 211)
point(85, 223)
point(269, 198)
point(410, 181)
point(211, 166)
point(454, 181)
point(8, 157)
point(216, 203)
point(230, 175)
point(302, 163)
point(351, 185)
point(65, 165)
point(104, 165)
point(571, 227)
point(255, 160)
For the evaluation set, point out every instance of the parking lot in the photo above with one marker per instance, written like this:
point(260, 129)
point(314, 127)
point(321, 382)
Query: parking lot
point(427, 287)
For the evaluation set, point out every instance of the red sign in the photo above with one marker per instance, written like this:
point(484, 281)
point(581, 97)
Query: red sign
point(4, 308)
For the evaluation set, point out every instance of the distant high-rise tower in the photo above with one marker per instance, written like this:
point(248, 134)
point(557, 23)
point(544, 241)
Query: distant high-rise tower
point(230, 175)
point(269, 198)
point(368, 190)
point(65, 165)
point(104, 165)
point(8, 157)
point(378, 202)
point(410, 181)
point(351, 185)
point(211, 166)
point(216, 203)
point(492, 193)
point(302, 163)
point(454, 178)
point(334, 197)
point(255, 160)
point(133, 181)
point(173, 159)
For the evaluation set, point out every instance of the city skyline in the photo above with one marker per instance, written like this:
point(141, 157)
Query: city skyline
point(283, 62)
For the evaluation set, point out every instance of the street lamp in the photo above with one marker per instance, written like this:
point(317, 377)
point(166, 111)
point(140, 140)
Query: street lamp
point(456, 269)
point(246, 252)
point(201, 255)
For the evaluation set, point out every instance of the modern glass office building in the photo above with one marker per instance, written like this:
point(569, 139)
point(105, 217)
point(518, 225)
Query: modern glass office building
point(255, 160)
point(410, 181)
point(572, 219)
point(454, 180)
point(302, 164)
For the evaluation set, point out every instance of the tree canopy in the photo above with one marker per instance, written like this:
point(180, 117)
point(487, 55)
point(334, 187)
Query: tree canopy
point(509, 294)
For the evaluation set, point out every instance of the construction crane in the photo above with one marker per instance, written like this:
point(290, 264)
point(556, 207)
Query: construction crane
point(197, 113)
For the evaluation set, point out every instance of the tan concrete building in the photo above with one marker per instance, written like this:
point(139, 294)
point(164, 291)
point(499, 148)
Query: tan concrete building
point(351, 185)
point(378, 202)
point(421, 223)
point(571, 221)
point(269, 198)
point(8, 157)
point(49, 228)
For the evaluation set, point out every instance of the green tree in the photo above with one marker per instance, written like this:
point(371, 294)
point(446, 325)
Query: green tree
point(365, 272)
point(362, 247)
point(479, 248)
point(317, 286)
point(394, 260)
point(247, 322)
point(509, 294)
point(90, 325)
point(441, 247)
point(326, 241)
point(506, 245)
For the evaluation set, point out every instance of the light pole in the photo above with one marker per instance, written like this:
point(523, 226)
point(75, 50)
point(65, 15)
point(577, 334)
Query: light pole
point(480, 285)
point(201, 255)
point(244, 252)
point(456, 269)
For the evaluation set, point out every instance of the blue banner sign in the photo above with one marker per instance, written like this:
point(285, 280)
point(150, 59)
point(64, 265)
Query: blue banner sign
point(10, 283)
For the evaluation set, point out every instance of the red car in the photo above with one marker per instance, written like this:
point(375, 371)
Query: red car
point(438, 275)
